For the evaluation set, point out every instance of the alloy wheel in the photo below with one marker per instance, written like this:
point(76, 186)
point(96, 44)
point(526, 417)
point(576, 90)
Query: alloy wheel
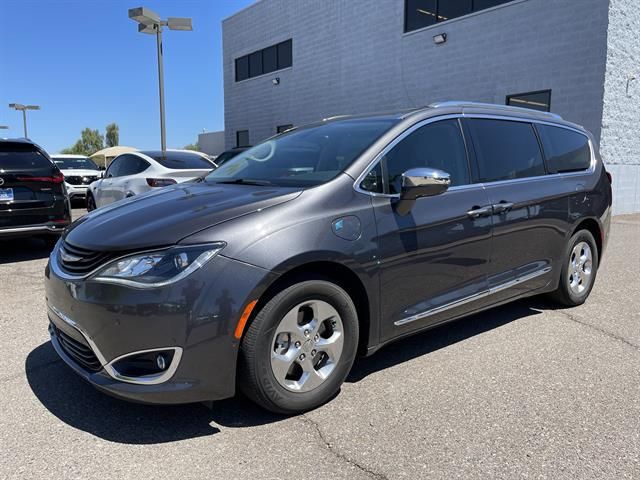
point(580, 268)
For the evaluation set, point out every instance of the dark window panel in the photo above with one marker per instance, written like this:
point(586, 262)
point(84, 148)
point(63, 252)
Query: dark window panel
point(506, 150)
point(419, 14)
point(285, 54)
point(534, 100)
point(283, 128)
point(372, 181)
point(483, 4)
point(449, 9)
point(255, 64)
point(242, 138)
point(242, 68)
point(566, 151)
point(270, 59)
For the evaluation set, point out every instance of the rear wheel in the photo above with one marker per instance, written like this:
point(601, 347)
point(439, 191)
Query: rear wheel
point(91, 203)
point(579, 270)
point(300, 347)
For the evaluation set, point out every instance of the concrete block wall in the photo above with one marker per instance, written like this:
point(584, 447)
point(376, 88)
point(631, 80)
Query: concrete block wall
point(620, 139)
point(352, 56)
point(211, 143)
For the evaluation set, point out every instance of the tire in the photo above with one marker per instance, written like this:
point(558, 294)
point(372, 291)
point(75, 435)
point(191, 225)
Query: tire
point(91, 202)
point(308, 335)
point(577, 277)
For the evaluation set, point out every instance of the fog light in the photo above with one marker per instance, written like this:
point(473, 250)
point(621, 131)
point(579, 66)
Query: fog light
point(161, 362)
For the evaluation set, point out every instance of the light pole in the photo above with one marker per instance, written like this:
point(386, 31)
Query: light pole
point(150, 22)
point(24, 108)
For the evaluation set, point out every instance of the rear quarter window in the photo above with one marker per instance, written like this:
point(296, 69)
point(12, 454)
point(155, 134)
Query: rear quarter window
point(565, 150)
point(506, 149)
point(17, 156)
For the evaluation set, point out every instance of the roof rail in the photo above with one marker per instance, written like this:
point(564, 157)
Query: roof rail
point(494, 106)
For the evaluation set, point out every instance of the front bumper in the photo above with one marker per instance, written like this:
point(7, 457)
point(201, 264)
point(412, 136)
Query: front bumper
point(76, 190)
point(197, 315)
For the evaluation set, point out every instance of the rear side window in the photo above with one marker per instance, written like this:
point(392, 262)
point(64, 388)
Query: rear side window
point(18, 156)
point(566, 150)
point(181, 160)
point(436, 145)
point(505, 149)
point(131, 165)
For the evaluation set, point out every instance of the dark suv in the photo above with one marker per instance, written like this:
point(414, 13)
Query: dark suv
point(276, 269)
point(33, 199)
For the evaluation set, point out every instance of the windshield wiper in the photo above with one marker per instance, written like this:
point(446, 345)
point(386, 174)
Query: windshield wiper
point(246, 181)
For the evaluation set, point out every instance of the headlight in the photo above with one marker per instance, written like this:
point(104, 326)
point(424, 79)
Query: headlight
point(157, 268)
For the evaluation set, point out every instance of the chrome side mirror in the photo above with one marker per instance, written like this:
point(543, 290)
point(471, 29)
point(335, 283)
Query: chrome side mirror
point(421, 182)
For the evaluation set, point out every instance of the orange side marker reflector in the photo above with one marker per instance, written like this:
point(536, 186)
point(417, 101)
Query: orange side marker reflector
point(243, 319)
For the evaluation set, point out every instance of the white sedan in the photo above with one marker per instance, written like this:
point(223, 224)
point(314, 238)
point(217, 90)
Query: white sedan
point(134, 173)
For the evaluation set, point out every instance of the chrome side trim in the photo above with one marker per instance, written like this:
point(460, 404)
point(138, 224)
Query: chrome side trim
point(399, 138)
point(36, 228)
point(473, 298)
point(78, 328)
point(146, 379)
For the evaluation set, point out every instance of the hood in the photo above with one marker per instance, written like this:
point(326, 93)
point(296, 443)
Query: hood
point(79, 172)
point(166, 216)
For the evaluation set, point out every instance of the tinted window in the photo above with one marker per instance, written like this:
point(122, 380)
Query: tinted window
point(255, 64)
point(132, 165)
point(226, 156)
point(242, 138)
point(17, 156)
point(533, 100)
point(270, 59)
point(114, 167)
point(242, 68)
point(304, 157)
point(436, 145)
point(179, 160)
point(285, 54)
point(71, 163)
point(506, 150)
point(422, 13)
point(372, 181)
point(566, 150)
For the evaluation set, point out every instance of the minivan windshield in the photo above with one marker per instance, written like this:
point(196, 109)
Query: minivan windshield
point(74, 163)
point(304, 157)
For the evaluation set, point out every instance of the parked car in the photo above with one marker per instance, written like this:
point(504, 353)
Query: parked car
point(33, 200)
point(79, 171)
point(228, 155)
point(332, 239)
point(134, 173)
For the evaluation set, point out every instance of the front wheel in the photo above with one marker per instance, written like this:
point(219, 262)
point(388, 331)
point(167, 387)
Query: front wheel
point(579, 270)
point(91, 203)
point(300, 347)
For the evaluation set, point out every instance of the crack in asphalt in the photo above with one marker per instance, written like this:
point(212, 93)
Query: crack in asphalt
point(598, 329)
point(336, 453)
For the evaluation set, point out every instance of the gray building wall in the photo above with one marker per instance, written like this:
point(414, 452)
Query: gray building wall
point(211, 143)
point(351, 56)
point(620, 141)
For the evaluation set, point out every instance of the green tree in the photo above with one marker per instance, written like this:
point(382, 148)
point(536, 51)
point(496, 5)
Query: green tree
point(112, 135)
point(192, 146)
point(90, 142)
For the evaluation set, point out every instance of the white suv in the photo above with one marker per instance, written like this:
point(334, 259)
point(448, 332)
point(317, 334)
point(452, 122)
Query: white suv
point(134, 173)
point(79, 171)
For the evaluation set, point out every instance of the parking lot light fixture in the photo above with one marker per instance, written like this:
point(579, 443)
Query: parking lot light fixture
point(151, 23)
point(23, 109)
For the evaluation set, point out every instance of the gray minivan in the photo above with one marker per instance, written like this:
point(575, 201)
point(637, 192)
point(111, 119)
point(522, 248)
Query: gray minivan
point(275, 270)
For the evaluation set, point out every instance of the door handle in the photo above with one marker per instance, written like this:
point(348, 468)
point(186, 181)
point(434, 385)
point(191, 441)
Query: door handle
point(477, 211)
point(502, 207)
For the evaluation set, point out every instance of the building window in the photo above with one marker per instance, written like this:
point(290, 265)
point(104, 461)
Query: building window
point(283, 128)
point(534, 100)
point(242, 138)
point(267, 60)
point(422, 13)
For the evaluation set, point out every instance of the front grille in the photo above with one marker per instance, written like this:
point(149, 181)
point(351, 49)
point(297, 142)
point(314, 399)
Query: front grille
point(80, 180)
point(80, 352)
point(80, 261)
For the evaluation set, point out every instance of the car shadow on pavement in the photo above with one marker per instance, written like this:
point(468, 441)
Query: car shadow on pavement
point(23, 249)
point(79, 405)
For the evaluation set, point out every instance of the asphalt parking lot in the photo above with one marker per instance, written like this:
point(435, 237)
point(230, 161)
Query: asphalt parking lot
point(521, 391)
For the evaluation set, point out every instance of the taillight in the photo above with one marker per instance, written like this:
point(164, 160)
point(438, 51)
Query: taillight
point(160, 182)
point(55, 178)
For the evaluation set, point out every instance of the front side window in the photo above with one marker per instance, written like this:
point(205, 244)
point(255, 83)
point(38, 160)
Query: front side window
point(114, 167)
point(304, 157)
point(437, 145)
point(565, 150)
point(505, 149)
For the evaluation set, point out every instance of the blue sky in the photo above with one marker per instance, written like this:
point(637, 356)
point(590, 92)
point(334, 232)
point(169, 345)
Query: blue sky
point(86, 65)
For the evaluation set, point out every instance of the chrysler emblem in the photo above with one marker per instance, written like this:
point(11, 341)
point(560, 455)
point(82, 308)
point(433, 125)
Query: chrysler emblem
point(67, 257)
point(1, 181)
